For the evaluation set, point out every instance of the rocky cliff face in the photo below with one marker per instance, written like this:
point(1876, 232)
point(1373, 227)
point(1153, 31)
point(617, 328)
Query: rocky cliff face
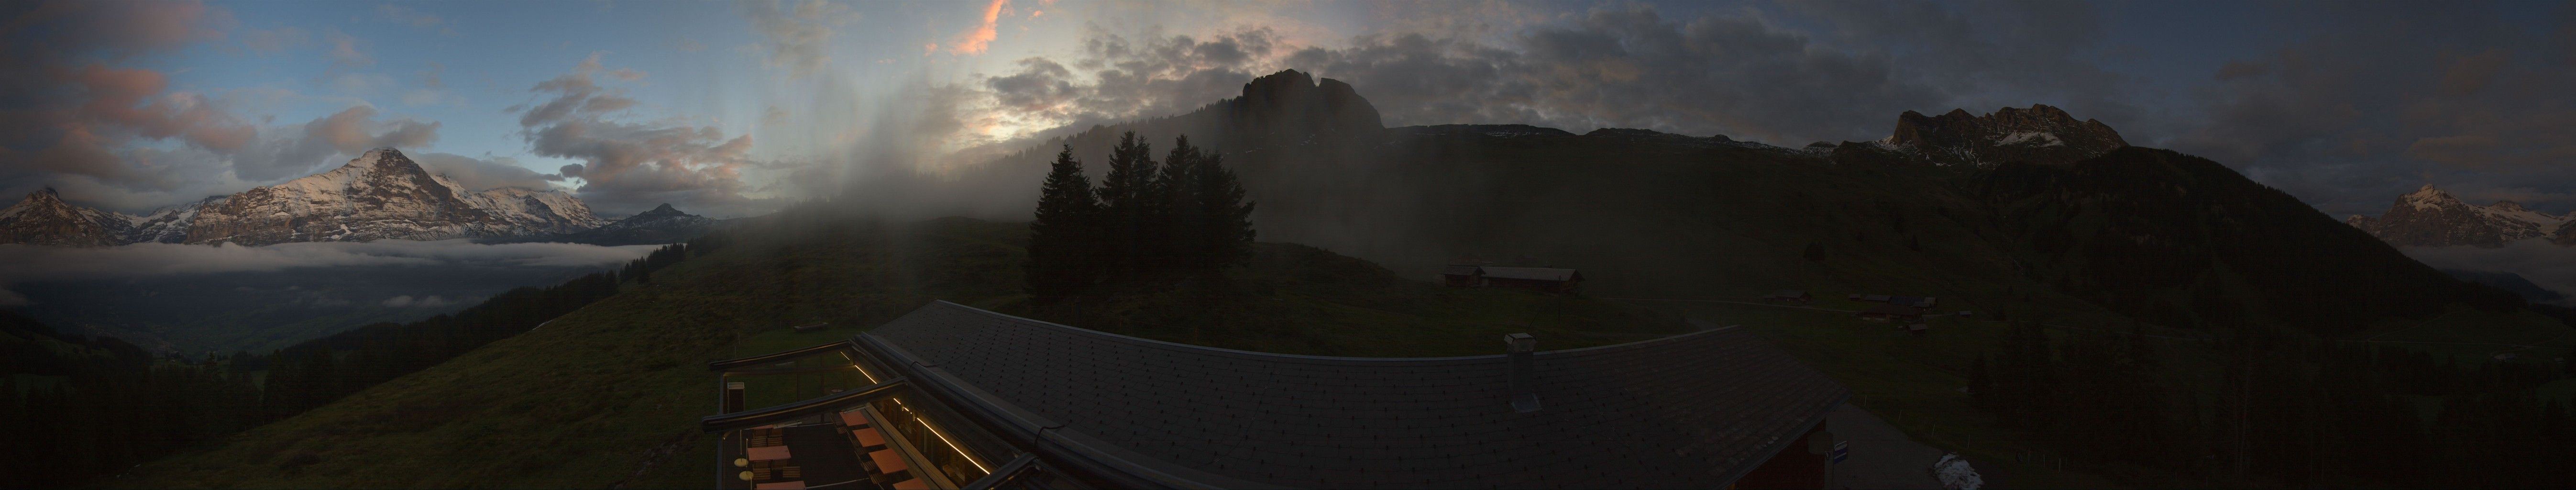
point(2039, 134)
point(382, 195)
point(379, 195)
point(2429, 217)
point(44, 219)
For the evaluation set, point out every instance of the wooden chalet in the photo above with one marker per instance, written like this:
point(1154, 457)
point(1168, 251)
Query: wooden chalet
point(1790, 296)
point(1460, 276)
point(1882, 313)
point(1541, 279)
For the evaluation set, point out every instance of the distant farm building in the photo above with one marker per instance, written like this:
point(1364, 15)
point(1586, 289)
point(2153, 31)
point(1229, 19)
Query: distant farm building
point(950, 396)
point(1459, 276)
point(1881, 313)
point(1790, 296)
point(1543, 279)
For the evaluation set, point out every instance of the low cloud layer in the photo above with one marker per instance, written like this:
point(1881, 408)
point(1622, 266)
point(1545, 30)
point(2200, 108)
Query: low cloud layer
point(2550, 266)
point(32, 263)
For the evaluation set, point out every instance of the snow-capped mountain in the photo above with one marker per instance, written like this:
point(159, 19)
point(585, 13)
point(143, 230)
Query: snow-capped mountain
point(44, 219)
point(2429, 217)
point(661, 225)
point(379, 195)
point(2040, 133)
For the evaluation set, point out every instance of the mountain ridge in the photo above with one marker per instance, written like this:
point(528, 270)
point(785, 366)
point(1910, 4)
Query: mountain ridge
point(2430, 217)
point(381, 194)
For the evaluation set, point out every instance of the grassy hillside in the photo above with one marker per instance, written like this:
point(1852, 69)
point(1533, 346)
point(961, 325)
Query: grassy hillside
point(609, 395)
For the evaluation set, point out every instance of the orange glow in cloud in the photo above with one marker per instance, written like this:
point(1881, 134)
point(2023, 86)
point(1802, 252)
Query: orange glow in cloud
point(974, 41)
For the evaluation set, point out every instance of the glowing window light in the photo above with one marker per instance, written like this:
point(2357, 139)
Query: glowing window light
point(943, 437)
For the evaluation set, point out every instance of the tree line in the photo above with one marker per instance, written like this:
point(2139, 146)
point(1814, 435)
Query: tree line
point(78, 407)
point(1146, 223)
point(2288, 411)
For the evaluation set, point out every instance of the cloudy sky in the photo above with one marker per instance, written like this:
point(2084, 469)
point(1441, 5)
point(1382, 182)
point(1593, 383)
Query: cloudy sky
point(734, 108)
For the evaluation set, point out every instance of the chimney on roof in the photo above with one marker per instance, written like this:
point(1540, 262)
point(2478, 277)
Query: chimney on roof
point(1520, 348)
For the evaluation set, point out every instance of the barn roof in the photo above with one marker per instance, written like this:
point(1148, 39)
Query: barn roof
point(1891, 309)
point(1533, 273)
point(1689, 411)
point(1458, 270)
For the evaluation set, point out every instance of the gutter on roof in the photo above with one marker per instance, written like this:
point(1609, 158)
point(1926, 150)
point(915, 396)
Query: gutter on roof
point(782, 413)
point(1056, 447)
point(778, 356)
point(1304, 357)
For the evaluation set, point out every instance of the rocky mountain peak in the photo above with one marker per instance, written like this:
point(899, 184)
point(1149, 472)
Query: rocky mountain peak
point(1297, 100)
point(2427, 197)
point(2430, 217)
point(381, 194)
point(43, 218)
point(2040, 133)
point(663, 210)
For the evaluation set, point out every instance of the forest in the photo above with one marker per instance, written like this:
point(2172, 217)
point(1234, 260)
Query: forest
point(79, 407)
point(1146, 224)
point(2291, 411)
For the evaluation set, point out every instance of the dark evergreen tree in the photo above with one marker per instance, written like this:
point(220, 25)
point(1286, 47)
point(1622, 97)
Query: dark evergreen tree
point(1128, 204)
point(1182, 238)
point(1226, 236)
point(1064, 240)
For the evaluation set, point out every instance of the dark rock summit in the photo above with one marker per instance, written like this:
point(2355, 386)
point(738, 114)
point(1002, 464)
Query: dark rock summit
point(2429, 217)
point(2039, 134)
point(44, 219)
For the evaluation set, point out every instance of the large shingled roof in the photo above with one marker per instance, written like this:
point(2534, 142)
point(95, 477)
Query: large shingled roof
point(1693, 410)
point(1532, 273)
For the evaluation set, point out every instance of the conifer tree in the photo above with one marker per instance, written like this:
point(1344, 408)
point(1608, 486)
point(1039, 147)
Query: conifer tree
point(1183, 230)
point(1128, 201)
point(1227, 236)
point(1064, 239)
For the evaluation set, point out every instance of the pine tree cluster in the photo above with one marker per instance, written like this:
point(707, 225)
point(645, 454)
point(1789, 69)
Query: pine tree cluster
point(1147, 222)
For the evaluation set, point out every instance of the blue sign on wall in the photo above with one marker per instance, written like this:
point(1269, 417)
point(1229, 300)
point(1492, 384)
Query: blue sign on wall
point(1842, 451)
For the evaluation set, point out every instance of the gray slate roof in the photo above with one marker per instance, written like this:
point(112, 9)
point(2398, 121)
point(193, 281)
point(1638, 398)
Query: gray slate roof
point(1533, 273)
point(1695, 410)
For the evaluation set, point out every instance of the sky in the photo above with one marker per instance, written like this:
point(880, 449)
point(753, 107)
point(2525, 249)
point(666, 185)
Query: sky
point(739, 108)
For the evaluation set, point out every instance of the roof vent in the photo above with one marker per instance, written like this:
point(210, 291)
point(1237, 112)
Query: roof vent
point(1520, 347)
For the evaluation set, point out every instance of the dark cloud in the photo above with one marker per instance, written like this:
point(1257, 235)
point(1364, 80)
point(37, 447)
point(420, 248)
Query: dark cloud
point(72, 110)
point(295, 152)
point(2381, 98)
point(479, 174)
point(1628, 66)
point(1623, 66)
point(799, 36)
point(629, 166)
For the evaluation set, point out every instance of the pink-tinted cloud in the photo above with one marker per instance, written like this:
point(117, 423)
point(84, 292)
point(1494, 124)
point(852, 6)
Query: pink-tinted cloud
point(975, 40)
